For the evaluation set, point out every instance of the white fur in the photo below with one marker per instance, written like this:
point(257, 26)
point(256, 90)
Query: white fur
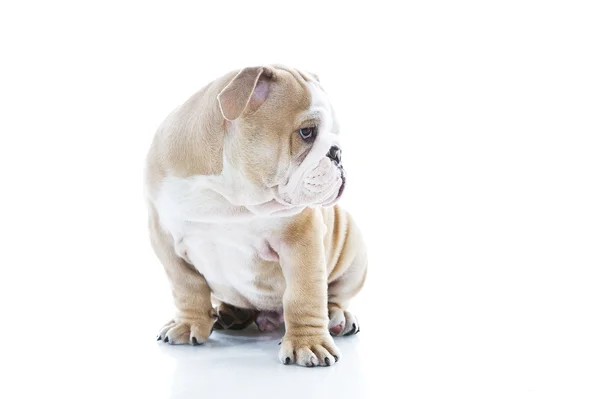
point(221, 240)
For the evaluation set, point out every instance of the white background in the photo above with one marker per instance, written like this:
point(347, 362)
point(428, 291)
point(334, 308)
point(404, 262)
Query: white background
point(471, 140)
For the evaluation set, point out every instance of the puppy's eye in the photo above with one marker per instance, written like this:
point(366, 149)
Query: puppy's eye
point(307, 132)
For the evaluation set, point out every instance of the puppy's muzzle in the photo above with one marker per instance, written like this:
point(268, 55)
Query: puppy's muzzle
point(335, 154)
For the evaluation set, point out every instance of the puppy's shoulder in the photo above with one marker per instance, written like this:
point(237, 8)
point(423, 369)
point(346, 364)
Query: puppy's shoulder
point(321, 221)
point(303, 226)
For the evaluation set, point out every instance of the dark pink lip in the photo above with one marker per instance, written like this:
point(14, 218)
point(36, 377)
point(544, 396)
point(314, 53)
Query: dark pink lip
point(341, 190)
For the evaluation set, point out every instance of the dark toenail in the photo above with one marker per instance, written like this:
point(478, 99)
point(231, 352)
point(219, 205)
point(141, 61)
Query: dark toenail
point(166, 339)
point(158, 338)
point(279, 343)
point(195, 341)
point(353, 331)
point(327, 361)
point(287, 360)
point(335, 357)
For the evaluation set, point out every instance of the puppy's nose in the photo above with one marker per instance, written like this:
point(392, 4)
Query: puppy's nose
point(335, 154)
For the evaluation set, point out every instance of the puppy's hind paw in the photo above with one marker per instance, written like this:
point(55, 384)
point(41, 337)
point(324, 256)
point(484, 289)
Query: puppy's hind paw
point(342, 322)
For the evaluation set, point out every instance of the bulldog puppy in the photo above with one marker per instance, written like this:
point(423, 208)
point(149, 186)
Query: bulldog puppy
point(241, 184)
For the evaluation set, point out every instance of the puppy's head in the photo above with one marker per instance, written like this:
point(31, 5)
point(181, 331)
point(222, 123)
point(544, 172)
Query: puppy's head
point(282, 135)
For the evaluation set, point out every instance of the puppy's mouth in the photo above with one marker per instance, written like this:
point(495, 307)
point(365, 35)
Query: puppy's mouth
point(319, 185)
point(343, 186)
point(340, 190)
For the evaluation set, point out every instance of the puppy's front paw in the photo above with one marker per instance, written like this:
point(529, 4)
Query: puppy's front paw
point(186, 332)
point(309, 351)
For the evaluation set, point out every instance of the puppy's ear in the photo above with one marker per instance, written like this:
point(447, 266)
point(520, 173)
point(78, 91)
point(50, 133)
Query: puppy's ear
point(247, 90)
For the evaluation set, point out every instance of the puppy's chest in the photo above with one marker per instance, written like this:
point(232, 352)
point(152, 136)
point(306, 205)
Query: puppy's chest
point(229, 247)
point(223, 244)
point(229, 255)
